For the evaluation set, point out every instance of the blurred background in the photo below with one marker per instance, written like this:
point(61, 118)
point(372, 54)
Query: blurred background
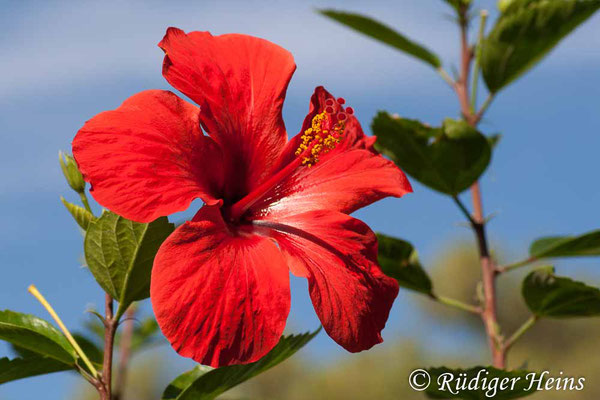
point(64, 62)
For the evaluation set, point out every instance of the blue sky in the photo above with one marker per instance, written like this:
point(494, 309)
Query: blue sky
point(63, 62)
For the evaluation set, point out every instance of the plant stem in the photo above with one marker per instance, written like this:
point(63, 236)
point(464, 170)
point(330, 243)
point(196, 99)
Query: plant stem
point(457, 304)
point(484, 107)
point(464, 210)
point(125, 353)
point(446, 77)
point(85, 202)
point(519, 332)
point(510, 267)
point(110, 327)
point(466, 56)
point(477, 220)
point(33, 290)
point(483, 18)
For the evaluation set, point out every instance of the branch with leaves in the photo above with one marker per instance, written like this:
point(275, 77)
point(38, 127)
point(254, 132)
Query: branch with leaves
point(452, 158)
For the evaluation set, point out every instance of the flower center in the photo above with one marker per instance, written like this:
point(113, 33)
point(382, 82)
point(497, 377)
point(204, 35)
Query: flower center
point(325, 132)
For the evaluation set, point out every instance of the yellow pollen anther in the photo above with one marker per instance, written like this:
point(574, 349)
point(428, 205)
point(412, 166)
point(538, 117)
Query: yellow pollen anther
point(322, 137)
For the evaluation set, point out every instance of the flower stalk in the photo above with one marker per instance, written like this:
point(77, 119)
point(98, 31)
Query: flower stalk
point(85, 202)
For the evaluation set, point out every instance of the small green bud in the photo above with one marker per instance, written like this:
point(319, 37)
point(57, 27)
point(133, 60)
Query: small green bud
point(71, 172)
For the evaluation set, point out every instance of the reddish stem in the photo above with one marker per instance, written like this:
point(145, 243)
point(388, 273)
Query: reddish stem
point(125, 353)
point(110, 327)
point(488, 269)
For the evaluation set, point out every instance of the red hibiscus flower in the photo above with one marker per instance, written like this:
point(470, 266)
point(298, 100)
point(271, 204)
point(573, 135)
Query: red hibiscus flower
point(220, 282)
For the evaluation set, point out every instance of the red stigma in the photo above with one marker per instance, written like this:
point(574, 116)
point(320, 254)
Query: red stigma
point(349, 110)
point(341, 100)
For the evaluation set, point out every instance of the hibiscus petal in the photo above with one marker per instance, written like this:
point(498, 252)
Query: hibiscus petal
point(219, 298)
point(338, 255)
point(349, 177)
point(239, 82)
point(149, 158)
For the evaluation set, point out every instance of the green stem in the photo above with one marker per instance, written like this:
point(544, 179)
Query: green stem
point(484, 107)
point(516, 265)
point(483, 14)
point(519, 332)
point(445, 76)
point(33, 290)
point(464, 210)
point(85, 202)
point(457, 304)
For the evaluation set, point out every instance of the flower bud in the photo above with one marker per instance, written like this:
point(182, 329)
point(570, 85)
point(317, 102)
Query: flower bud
point(71, 172)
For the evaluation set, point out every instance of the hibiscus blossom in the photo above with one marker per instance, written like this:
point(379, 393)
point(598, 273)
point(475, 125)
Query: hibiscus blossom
point(220, 283)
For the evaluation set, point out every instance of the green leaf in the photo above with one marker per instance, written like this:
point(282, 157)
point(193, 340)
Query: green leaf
point(82, 216)
point(19, 368)
point(448, 159)
point(494, 140)
point(203, 383)
point(184, 381)
point(587, 244)
point(120, 253)
point(21, 352)
point(398, 259)
point(548, 295)
point(525, 32)
point(376, 30)
point(444, 381)
point(35, 335)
